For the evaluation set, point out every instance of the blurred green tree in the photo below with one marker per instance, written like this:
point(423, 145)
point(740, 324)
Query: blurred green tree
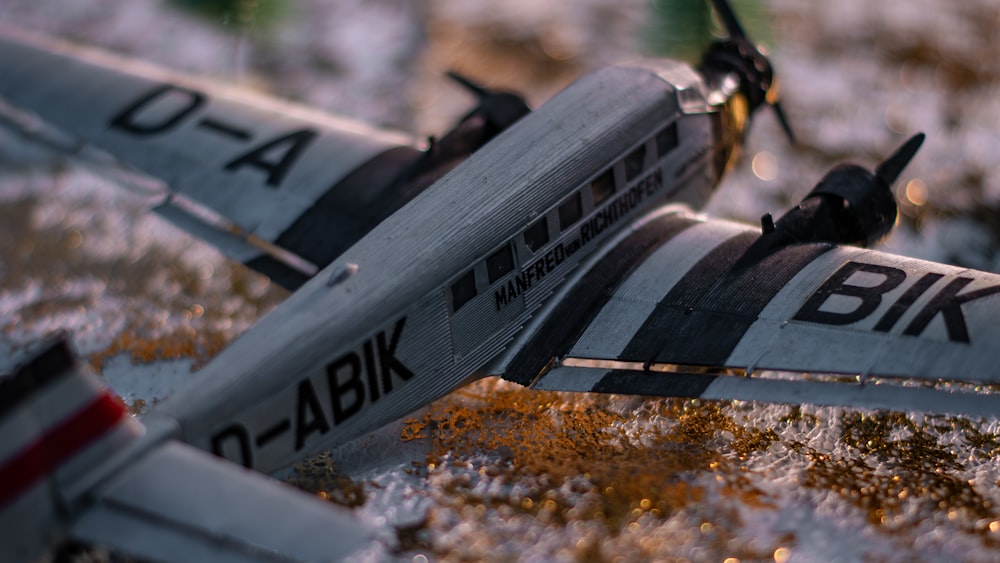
point(683, 28)
point(238, 14)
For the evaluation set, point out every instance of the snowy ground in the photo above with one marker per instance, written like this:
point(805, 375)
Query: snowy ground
point(504, 473)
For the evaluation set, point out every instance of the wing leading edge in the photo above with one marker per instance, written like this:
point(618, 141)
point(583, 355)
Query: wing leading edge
point(702, 317)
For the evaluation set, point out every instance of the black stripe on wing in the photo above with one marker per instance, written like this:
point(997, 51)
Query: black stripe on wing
point(703, 317)
point(579, 308)
point(345, 214)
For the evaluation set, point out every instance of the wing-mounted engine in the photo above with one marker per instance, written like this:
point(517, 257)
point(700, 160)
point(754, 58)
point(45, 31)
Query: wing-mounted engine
point(495, 111)
point(850, 205)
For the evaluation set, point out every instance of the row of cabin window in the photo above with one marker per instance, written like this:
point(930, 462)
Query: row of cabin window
point(501, 262)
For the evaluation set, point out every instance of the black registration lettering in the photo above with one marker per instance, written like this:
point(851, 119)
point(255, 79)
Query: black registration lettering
point(367, 372)
point(309, 416)
point(158, 111)
point(344, 378)
point(275, 157)
point(905, 301)
point(369, 351)
point(946, 303)
point(387, 359)
point(868, 297)
point(348, 375)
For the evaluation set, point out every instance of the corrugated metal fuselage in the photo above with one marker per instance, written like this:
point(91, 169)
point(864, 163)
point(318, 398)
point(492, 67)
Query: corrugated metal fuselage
point(438, 290)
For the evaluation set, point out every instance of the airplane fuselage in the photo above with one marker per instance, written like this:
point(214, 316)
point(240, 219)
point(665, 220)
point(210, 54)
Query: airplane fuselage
point(426, 287)
point(439, 289)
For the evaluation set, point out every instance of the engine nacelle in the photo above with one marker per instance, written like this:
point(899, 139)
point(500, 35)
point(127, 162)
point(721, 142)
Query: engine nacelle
point(850, 205)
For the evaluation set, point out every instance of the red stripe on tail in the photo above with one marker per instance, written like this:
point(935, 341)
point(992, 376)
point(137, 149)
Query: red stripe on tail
point(57, 445)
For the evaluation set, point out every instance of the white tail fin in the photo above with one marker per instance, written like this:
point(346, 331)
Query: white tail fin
point(57, 425)
point(73, 466)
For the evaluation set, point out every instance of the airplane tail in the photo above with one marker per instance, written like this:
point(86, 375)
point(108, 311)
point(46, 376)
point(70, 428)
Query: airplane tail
point(75, 467)
point(58, 425)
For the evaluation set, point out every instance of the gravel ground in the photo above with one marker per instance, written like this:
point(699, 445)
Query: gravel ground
point(508, 474)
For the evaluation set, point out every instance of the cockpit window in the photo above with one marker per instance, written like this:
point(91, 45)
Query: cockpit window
point(570, 212)
point(537, 235)
point(666, 140)
point(463, 290)
point(500, 263)
point(635, 163)
point(602, 187)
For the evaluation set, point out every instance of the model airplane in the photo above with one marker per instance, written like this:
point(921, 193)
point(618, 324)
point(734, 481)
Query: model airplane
point(555, 248)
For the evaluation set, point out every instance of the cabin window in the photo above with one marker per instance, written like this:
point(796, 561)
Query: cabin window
point(463, 290)
point(666, 140)
point(537, 235)
point(500, 263)
point(602, 187)
point(635, 163)
point(570, 212)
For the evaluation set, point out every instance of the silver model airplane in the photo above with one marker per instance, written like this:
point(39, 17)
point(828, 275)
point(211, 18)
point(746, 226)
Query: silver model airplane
point(554, 247)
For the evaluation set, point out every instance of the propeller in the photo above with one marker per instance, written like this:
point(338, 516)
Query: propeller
point(859, 204)
point(494, 112)
point(500, 109)
point(729, 20)
point(891, 167)
point(850, 205)
point(739, 54)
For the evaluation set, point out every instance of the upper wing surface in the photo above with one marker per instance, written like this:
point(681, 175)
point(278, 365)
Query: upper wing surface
point(697, 300)
point(263, 176)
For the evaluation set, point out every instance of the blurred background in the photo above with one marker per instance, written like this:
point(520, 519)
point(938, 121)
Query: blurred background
point(859, 77)
point(511, 474)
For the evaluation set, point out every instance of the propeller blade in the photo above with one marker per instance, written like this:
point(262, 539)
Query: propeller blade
point(496, 111)
point(891, 168)
point(729, 20)
point(783, 119)
point(756, 69)
point(476, 90)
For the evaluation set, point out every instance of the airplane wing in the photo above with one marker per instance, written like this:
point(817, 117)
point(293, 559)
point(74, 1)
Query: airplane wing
point(178, 503)
point(75, 466)
point(678, 308)
point(278, 187)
